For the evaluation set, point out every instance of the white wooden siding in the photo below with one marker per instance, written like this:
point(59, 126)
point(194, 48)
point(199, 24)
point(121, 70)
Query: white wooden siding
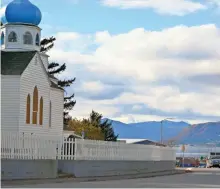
point(10, 95)
point(56, 97)
point(34, 75)
point(20, 30)
point(44, 59)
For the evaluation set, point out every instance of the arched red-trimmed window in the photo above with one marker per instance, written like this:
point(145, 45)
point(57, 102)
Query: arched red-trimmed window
point(41, 111)
point(35, 106)
point(28, 109)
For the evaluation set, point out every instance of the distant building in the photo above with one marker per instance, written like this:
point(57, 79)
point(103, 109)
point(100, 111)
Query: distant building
point(188, 162)
point(196, 151)
point(141, 141)
point(149, 142)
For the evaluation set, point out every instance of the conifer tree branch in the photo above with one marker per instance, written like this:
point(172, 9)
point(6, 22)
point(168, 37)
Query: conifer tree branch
point(52, 65)
point(66, 83)
point(55, 68)
point(58, 70)
point(67, 98)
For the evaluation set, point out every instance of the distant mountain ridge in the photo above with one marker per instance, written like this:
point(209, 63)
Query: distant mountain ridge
point(149, 130)
point(181, 132)
point(201, 133)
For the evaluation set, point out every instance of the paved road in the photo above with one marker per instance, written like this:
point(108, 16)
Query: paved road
point(189, 180)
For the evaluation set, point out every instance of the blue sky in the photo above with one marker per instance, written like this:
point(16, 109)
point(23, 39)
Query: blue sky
point(138, 60)
point(90, 16)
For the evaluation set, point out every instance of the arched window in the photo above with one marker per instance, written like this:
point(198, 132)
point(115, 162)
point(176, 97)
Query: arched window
point(28, 39)
point(2, 38)
point(35, 106)
point(12, 37)
point(28, 109)
point(41, 111)
point(37, 41)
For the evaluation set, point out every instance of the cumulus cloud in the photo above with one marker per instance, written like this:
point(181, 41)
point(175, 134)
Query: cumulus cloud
point(85, 106)
point(131, 118)
point(160, 69)
point(214, 2)
point(99, 90)
point(2, 11)
point(211, 79)
point(170, 7)
point(150, 56)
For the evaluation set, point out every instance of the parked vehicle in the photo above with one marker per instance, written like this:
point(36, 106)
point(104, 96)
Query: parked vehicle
point(213, 161)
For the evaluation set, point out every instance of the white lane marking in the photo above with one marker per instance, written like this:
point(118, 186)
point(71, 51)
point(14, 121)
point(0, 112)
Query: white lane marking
point(177, 185)
point(201, 173)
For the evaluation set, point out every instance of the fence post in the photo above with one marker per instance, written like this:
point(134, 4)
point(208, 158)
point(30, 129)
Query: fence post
point(75, 149)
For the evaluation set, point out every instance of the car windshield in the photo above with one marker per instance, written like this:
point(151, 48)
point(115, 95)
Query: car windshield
point(215, 157)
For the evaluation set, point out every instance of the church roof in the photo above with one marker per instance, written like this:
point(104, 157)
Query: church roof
point(54, 85)
point(14, 63)
point(51, 76)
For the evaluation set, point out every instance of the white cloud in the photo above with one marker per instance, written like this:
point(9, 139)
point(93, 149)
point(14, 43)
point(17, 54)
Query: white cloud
point(84, 107)
point(81, 42)
point(171, 7)
point(142, 118)
point(102, 37)
point(2, 11)
point(93, 87)
point(214, 2)
point(143, 58)
point(171, 100)
point(136, 107)
point(170, 53)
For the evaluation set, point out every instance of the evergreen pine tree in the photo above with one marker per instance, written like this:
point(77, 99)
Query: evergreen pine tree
point(56, 68)
point(108, 131)
point(106, 126)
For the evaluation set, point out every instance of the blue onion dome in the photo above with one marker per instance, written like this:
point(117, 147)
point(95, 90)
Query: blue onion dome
point(22, 11)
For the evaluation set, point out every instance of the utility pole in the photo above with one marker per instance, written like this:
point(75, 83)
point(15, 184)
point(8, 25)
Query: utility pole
point(161, 128)
point(161, 132)
point(183, 148)
point(215, 148)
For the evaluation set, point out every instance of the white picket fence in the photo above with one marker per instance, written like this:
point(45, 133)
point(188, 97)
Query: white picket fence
point(102, 150)
point(16, 146)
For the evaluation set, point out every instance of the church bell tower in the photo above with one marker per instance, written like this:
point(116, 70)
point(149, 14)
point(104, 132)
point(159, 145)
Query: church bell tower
point(19, 29)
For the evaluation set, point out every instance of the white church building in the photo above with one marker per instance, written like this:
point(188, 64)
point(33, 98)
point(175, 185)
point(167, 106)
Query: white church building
point(31, 100)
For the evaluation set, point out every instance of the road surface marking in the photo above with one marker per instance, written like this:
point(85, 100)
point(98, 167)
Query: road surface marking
point(201, 173)
point(204, 173)
point(177, 185)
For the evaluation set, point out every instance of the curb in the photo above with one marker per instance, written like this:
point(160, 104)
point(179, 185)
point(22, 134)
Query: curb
point(90, 179)
point(192, 170)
